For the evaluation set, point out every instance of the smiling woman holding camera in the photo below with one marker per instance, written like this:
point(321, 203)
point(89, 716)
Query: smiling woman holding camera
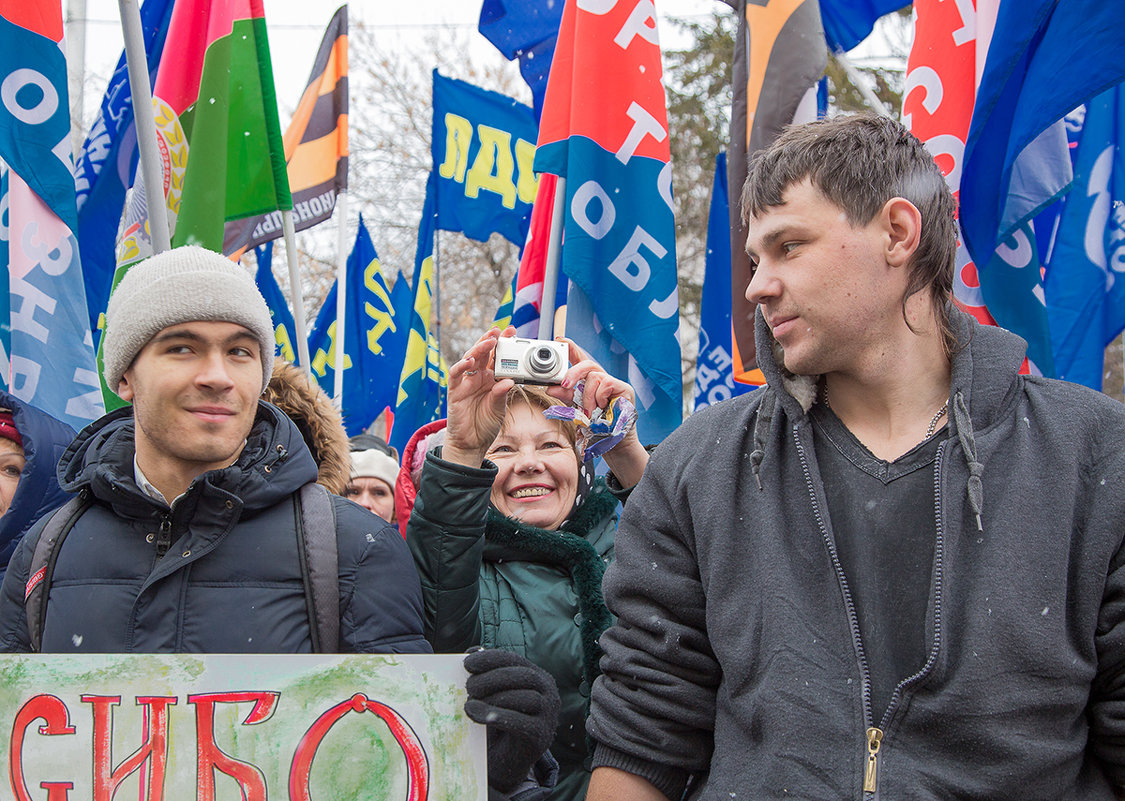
point(510, 537)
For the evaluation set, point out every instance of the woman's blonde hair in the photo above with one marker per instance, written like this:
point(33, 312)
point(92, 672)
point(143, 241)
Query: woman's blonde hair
point(537, 398)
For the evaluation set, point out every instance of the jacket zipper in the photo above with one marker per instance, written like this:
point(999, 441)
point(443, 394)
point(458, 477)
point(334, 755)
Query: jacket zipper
point(164, 536)
point(870, 773)
point(873, 735)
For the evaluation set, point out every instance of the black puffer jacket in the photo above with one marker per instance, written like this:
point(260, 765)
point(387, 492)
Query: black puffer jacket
point(230, 581)
point(44, 440)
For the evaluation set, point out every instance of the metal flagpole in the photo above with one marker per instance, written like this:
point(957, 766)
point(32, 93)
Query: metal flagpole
point(341, 294)
point(76, 69)
point(437, 296)
point(865, 90)
point(551, 268)
point(151, 163)
point(296, 295)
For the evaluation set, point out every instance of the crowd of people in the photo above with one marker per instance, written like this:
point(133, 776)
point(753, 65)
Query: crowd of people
point(896, 570)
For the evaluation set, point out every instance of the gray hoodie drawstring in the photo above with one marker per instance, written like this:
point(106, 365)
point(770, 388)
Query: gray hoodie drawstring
point(761, 428)
point(965, 433)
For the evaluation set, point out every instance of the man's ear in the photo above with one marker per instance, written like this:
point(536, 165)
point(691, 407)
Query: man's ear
point(903, 225)
point(125, 387)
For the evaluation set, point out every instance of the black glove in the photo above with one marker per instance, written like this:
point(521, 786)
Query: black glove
point(519, 704)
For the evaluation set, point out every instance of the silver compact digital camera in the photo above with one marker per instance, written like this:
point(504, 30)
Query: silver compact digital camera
point(531, 361)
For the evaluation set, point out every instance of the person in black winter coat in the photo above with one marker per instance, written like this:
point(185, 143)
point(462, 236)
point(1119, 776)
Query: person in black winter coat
point(190, 542)
point(31, 442)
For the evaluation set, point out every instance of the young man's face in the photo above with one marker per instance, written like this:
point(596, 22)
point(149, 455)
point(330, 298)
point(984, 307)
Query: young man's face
point(194, 389)
point(823, 285)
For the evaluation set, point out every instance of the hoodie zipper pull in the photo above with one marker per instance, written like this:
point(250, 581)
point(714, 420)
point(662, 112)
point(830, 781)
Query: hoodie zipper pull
point(874, 738)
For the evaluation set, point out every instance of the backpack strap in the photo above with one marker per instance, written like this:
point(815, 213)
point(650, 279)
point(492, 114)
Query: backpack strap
point(316, 537)
point(43, 560)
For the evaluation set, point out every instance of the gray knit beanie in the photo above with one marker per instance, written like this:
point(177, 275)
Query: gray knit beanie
point(181, 285)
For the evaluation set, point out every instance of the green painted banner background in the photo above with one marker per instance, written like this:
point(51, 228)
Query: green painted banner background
point(358, 757)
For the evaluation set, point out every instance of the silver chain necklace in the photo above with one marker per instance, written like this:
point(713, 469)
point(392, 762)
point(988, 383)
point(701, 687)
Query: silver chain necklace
point(930, 429)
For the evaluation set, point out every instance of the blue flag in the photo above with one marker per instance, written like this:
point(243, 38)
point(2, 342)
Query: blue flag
point(483, 150)
point(1085, 282)
point(604, 129)
point(374, 340)
point(527, 30)
point(849, 22)
point(48, 354)
point(402, 301)
point(106, 165)
point(1012, 286)
point(503, 317)
point(421, 388)
point(1045, 58)
point(714, 367)
point(283, 326)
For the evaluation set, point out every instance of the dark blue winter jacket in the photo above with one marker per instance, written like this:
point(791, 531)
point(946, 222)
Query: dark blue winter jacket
point(229, 578)
point(44, 440)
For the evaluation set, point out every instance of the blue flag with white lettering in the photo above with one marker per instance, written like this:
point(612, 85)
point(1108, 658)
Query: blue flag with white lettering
point(48, 354)
point(1045, 58)
point(714, 368)
point(1012, 287)
point(483, 149)
point(106, 165)
point(421, 387)
point(374, 340)
point(280, 314)
point(605, 129)
point(1085, 282)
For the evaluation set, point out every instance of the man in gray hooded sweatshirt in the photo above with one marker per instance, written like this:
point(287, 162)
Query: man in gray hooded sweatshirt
point(895, 571)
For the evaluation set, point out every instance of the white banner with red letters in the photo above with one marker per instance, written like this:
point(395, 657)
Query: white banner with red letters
point(218, 727)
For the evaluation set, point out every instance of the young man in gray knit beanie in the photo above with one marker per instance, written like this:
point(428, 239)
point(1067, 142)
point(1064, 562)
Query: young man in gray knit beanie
point(192, 542)
point(189, 342)
point(184, 285)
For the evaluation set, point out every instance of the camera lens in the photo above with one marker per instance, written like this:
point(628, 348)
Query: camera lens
point(542, 360)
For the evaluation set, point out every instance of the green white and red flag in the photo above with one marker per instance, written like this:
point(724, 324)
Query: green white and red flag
point(217, 125)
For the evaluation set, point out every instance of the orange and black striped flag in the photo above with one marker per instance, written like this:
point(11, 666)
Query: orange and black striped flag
point(779, 55)
point(316, 146)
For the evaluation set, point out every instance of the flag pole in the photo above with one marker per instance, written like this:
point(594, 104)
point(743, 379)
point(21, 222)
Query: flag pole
point(860, 83)
point(551, 267)
point(296, 295)
point(152, 170)
point(341, 293)
point(437, 290)
point(76, 69)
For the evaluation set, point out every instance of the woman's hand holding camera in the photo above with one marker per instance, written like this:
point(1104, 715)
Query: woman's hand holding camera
point(476, 402)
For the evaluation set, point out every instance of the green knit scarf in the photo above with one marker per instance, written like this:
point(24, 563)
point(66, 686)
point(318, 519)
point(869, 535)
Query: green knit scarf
point(568, 547)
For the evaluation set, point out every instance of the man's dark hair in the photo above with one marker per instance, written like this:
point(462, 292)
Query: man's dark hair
point(859, 162)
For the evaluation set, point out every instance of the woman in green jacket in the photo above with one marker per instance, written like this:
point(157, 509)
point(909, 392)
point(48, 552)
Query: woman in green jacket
point(510, 545)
